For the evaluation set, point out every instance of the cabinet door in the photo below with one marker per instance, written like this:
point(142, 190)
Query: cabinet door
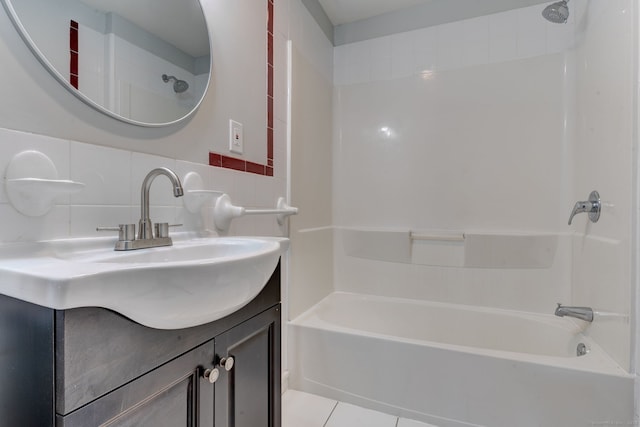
point(173, 395)
point(248, 395)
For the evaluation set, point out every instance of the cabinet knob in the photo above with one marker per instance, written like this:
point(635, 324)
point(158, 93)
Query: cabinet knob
point(227, 363)
point(211, 375)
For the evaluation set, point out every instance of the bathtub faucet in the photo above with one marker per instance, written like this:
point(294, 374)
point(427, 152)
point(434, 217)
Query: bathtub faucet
point(583, 313)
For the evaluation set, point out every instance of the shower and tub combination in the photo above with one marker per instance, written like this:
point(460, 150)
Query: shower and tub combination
point(451, 364)
point(450, 354)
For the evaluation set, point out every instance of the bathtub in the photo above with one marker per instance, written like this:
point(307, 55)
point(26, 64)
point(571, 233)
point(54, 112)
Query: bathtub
point(454, 365)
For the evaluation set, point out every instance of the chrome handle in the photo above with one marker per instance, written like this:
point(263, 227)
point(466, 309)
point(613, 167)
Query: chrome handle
point(227, 363)
point(161, 229)
point(211, 375)
point(125, 231)
point(593, 207)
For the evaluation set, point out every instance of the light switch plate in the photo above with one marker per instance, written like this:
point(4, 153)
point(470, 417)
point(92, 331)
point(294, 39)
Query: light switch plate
point(236, 138)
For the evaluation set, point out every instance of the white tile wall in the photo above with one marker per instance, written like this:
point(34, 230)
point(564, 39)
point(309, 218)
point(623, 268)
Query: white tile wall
point(106, 171)
point(506, 36)
point(113, 180)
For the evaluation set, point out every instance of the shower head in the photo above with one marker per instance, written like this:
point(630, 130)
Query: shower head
point(558, 13)
point(179, 86)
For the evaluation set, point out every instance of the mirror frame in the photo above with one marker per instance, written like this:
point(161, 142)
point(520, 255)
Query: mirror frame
point(17, 23)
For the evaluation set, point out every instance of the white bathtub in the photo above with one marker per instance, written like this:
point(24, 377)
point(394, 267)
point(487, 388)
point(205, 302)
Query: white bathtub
point(453, 365)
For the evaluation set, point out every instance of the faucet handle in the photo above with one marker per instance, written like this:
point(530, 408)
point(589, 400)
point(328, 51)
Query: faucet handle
point(161, 229)
point(126, 232)
point(593, 207)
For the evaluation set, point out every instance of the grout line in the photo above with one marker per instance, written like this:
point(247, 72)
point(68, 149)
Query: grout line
point(332, 411)
point(397, 421)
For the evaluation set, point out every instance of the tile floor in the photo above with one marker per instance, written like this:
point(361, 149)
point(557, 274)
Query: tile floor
point(307, 410)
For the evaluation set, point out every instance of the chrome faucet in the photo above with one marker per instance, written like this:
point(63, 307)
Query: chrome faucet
point(148, 236)
point(145, 230)
point(582, 313)
point(591, 206)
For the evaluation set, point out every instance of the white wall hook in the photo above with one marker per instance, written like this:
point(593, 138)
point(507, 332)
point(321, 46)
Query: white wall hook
point(285, 210)
point(224, 211)
point(32, 183)
point(195, 196)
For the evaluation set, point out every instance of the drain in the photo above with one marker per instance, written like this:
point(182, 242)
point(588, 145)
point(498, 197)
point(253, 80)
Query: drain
point(581, 350)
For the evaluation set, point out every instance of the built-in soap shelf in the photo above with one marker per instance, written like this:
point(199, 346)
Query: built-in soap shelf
point(452, 248)
point(195, 196)
point(32, 184)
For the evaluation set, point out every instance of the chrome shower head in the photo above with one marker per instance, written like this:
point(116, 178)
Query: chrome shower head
point(179, 86)
point(558, 13)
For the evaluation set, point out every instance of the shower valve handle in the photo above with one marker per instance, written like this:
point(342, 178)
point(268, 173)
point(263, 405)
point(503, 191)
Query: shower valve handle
point(593, 207)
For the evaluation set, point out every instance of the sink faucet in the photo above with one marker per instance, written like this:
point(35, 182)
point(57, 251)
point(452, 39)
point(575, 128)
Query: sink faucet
point(145, 230)
point(582, 313)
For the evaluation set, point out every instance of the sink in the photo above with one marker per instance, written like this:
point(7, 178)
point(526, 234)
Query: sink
point(195, 281)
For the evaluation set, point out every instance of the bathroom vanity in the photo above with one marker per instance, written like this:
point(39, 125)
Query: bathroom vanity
point(90, 366)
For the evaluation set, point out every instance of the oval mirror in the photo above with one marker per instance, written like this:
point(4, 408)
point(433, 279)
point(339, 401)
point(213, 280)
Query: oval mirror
point(145, 62)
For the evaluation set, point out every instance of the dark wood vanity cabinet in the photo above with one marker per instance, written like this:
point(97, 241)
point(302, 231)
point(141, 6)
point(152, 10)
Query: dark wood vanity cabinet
point(92, 367)
point(240, 393)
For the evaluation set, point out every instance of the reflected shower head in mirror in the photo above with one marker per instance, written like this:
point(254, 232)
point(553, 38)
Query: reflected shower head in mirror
point(558, 13)
point(179, 86)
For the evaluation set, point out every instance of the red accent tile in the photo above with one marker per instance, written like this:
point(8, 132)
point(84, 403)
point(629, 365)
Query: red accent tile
point(270, 112)
point(270, 162)
point(73, 24)
point(269, 171)
point(215, 159)
point(270, 143)
point(270, 49)
point(73, 63)
point(255, 168)
point(233, 163)
point(73, 79)
point(73, 39)
point(270, 81)
point(270, 17)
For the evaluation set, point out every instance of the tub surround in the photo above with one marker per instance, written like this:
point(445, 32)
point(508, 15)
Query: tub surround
point(444, 113)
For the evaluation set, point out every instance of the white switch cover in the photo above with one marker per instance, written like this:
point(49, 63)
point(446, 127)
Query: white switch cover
point(236, 139)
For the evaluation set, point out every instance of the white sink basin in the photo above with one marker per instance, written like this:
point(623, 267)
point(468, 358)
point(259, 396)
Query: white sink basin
point(195, 281)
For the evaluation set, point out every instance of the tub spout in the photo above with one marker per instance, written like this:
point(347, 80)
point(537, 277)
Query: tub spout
point(582, 313)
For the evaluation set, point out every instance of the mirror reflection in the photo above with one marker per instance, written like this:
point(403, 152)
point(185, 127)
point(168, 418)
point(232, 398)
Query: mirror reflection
point(145, 62)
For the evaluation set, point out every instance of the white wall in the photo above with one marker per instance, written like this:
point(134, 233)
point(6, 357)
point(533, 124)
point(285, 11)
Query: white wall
point(35, 102)
point(311, 166)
